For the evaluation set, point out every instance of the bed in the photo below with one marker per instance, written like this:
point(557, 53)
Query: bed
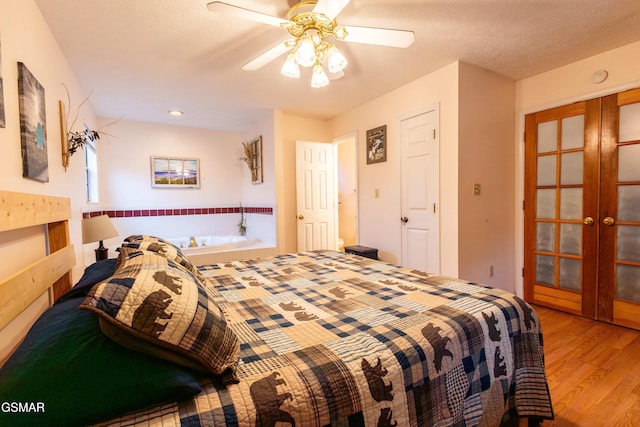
point(317, 338)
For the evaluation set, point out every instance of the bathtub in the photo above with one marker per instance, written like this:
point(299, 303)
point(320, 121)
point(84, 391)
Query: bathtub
point(213, 249)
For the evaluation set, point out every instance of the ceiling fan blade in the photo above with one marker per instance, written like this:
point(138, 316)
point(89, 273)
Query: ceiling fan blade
point(379, 36)
point(330, 8)
point(242, 13)
point(267, 57)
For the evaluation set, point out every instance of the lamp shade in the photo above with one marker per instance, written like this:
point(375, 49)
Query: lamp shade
point(97, 228)
point(319, 77)
point(306, 52)
point(290, 67)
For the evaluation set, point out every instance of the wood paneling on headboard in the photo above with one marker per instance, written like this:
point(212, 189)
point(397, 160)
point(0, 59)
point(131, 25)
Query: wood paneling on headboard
point(21, 210)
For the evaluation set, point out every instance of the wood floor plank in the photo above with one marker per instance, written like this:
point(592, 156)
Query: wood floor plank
point(593, 370)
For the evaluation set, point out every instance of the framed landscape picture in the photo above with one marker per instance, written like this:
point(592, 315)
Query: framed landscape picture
point(377, 145)
point(175, 172)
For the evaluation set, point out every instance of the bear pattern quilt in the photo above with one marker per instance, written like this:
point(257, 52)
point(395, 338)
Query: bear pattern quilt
point(333, 339)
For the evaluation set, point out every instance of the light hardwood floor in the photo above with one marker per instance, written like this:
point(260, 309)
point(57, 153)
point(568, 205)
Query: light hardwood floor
point(593, 370)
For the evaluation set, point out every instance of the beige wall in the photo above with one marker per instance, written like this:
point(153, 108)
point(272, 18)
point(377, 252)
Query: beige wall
point(25, 37)
point(563, 86)
point(290, 129)
point(486, 157)
point(347, 190)
point(379, 218)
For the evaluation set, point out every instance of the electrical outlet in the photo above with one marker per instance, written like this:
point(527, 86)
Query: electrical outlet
point(491, 271)
point(476, 189)
point(376, 193)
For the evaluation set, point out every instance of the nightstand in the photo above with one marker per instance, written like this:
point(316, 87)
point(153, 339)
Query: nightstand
point(362, 251)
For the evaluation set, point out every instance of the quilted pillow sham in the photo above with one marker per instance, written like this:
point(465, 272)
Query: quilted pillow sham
point(164, 248)
point(154, 305)
point(77, 376)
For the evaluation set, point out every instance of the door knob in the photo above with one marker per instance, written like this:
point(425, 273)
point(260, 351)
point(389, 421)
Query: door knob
point(404, 219)
point(300, 216)
point(608, 221)
point(588, 221)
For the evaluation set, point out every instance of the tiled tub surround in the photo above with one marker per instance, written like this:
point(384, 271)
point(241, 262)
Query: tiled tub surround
point(172, 223)
point(129, 213)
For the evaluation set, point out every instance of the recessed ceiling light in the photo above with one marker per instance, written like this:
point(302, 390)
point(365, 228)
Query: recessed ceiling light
point(176, 113)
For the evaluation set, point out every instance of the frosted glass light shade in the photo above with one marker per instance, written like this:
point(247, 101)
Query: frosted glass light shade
point(319, 78)
point(290, 67)
point(336, 61)
point(306, 52)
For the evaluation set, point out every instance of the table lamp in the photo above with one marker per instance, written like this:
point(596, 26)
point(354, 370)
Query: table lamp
point(98, 228)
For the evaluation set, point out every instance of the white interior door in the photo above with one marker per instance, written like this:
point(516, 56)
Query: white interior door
point(419, 136)
point(316, 194)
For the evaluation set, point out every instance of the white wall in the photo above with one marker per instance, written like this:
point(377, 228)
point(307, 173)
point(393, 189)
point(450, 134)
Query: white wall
point(563, 86)
point(262, 227)
point(124, 170)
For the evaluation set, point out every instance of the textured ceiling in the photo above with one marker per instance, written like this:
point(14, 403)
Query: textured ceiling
point(140, 58)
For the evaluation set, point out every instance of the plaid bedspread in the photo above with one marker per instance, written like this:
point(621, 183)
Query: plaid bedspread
point(336, 339)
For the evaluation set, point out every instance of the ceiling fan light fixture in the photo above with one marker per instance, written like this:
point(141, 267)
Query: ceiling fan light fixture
point(306, 52)
point(290, 67)
point(319, 77)
point(340, 32)
point(336, 61)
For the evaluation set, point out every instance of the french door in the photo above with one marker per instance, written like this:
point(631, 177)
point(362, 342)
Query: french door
point(582, 208)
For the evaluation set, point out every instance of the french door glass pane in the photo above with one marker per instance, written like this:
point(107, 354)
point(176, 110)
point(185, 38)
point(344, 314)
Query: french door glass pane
point(628, 283)
point(628, 243)
point(545, 269)
point(571, 168)
point(570, 274)
point(546, 203)
point(628, 161)
point(571, 203)
point(629, 123)
point(629, 203)
point(547, 170)
point(572, 132)
point(546, 236)
point(547, 137)
point(571, 239)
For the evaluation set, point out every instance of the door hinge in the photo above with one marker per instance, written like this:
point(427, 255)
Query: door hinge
point(523, 205)
point(434, 133)
point(434, 208)
point(522, 271)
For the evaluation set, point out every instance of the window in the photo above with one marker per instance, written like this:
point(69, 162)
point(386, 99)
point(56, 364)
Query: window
point(91, 160)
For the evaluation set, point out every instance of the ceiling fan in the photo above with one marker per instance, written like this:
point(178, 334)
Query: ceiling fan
point(312, 25)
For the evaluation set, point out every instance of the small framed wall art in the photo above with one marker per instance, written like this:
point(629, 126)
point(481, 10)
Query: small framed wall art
point(253, 158)
point(175, 172)
point(377, 145)
point(2, 119)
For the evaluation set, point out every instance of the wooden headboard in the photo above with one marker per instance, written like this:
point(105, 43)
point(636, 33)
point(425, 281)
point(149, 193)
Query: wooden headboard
point(51, 273)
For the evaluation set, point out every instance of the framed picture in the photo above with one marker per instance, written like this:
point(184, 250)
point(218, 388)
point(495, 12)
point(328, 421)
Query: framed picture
point(175, 172)
point(33, 126)
point(377, 145)
point(2, 119)
point(253, 159)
